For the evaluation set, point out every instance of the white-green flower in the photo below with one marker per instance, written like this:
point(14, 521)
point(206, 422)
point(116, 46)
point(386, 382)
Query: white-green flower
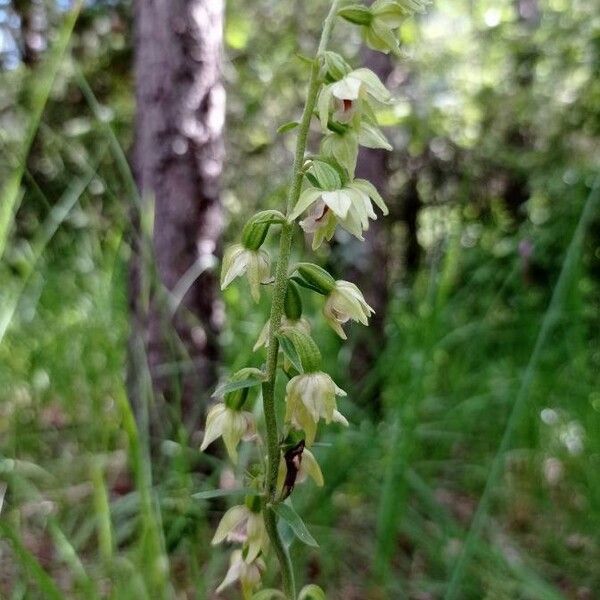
point(350, 95)
point(255, 264)
point(300, 324)
point(231, 424)
point(248, 574)
point(309, 398)
point(388, 15)
point(242, 525)
point(307, 467)
point(344, 303)
point(350, 206)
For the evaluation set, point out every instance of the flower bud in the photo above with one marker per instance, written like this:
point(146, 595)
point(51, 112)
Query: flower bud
point(335, 66)
point(356, 14)
point(316, 277)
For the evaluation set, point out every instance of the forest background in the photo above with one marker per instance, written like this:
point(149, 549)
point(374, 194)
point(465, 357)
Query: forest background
point(472, 460)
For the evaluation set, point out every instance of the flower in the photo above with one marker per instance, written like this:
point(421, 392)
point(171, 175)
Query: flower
point(256, 264)
point(350, 206)
point(229, 423)
point(351, 95)
point(247, 573)
point(301, 465)
point(310, 397)
point(386, 16)
point(241, 524)
point(301, 324)
point(346, 302)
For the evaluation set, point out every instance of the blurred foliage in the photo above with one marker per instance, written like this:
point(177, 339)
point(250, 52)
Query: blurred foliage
point(496, 121)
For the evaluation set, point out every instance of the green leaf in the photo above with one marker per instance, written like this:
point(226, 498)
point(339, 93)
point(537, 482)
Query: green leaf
point(293, 519)
point(287, 126)
point(290, 352)
point(209, 494)
point(233, 385)
point(269, 595)
point(311, 592)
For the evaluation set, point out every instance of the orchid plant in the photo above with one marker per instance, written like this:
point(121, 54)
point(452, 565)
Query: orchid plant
point(323, 194)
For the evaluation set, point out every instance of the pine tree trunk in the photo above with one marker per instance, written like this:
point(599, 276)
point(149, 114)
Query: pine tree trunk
point(178, 160)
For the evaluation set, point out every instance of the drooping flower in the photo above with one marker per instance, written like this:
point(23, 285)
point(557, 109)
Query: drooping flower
point(344, 303)
point(247, 573)
point(309, 398)
point(351, 95)
point(231, 424)
point(242, 524)
point(301, 324)
point(350, 206)
point(380, 20)
point(255, 264)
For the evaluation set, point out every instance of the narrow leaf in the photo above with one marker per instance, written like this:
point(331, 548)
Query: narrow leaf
point(232, 386)
point(293, 519)
point(290, 352)
point(209, 494)
point(287, 126)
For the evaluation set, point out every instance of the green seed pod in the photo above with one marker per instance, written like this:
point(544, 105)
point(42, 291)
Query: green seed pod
point(356, 14)
point(317, 278)
point(293, 303)
point(300, 349)
point(255, 230)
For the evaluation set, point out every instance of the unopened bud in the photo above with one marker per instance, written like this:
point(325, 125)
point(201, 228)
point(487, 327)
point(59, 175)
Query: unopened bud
point(357, 14)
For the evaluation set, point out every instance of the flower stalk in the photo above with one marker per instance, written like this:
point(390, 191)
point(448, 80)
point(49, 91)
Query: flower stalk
point(324, 189)
point(279, 289)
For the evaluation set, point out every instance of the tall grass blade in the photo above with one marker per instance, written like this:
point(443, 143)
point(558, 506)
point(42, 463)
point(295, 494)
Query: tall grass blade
point(41, 82)
point(550, 317)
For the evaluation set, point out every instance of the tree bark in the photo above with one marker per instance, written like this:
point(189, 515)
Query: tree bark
point(178, 160)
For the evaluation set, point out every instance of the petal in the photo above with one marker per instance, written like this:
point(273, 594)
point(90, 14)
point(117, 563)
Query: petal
point(338, 417)
point(372, 83)
point(236, 567)
point(347, 88)
point(231, 519)
point(368, 188)
point(235, 262)
point(307, 197)
point(214, 425)
point(311, 467)
point(323, 103)
point(263, 337)
point(338, 201)
point(371, 137)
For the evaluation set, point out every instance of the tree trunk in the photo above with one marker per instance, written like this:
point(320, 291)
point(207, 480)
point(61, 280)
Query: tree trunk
point(178, 160)
point(33, 16)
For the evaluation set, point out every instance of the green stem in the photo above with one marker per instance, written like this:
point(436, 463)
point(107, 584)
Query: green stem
point(279, 289)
